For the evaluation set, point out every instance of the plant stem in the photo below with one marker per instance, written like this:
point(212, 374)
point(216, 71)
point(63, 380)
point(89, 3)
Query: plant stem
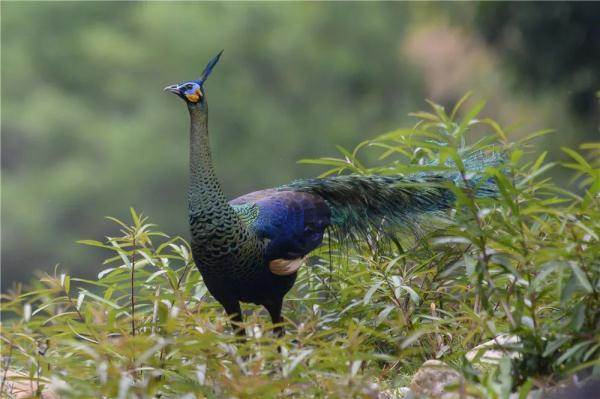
point(485, 257)
point(133, 288)
point(187, 264)
point(6, 366)
point(74, 306)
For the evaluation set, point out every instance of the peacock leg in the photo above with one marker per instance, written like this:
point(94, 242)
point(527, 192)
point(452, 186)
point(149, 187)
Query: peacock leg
point(234, 311)
point(274, 308)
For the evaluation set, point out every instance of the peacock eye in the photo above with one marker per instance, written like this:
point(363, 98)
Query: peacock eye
point(188, 86)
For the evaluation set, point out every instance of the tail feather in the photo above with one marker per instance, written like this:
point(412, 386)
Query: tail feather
point(363, 207)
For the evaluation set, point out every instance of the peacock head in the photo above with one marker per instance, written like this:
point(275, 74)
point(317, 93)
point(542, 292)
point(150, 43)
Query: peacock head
point(191, 91)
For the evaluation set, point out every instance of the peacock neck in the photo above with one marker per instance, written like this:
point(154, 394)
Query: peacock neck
point(205, 192)
point(218, 233)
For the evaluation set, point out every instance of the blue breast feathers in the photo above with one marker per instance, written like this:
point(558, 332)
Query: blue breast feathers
point(293, 222)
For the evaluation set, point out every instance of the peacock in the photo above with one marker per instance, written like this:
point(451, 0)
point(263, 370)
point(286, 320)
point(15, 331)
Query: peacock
point(249, 249)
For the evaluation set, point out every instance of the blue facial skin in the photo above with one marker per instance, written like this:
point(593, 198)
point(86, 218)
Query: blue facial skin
point(189, 88)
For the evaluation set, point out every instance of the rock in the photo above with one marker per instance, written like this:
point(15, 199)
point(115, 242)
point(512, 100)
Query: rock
point(432, 380)
point(589, 389)
point(396, 393)
point(534, 394)
point(495, 349)
point(18, 385)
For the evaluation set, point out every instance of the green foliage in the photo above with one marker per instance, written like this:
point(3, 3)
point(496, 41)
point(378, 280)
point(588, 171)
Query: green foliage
point(525, 264)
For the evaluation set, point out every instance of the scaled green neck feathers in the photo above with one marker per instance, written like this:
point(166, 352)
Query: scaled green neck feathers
point(218, 233)
point(204, 189)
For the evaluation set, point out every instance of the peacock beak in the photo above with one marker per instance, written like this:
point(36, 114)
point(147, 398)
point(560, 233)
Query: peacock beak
point(172, 89)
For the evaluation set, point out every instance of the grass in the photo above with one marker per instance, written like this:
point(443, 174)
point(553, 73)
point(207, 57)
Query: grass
point(525, 263)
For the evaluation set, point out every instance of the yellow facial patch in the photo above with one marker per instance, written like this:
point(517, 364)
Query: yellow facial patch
point(195, 97)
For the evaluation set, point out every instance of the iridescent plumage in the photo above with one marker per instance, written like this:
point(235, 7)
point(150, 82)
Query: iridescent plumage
point(249, 249)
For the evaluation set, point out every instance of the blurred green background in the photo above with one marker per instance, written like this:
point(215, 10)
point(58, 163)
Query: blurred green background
point(87, 131)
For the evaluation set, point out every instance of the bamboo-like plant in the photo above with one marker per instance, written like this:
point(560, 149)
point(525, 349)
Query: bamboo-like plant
point(525, 264)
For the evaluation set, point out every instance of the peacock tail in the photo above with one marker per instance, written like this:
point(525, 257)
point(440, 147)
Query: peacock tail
point(363, 207)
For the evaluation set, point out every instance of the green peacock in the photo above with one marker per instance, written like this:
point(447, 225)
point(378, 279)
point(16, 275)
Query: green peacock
point(250, 249)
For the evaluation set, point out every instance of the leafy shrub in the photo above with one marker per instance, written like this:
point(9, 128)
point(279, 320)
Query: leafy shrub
point(359, 322)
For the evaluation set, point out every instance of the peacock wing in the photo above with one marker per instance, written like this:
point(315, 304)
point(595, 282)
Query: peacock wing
point(293, 223)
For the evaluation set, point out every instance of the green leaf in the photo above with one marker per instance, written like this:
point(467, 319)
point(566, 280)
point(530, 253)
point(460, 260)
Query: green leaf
point(459, 103)
point(577, 157)
point(552, 346)
point(572, 351)
point(439, 110)
point(95, 243)
point(287, 370)
point(522, 183)
point(526, 388)
point(497, 128)
point(122, 224)
point(409, 134)
point(469, 117)
point(80, 299)
point(155, 274)
point(425, 115)
point(371, 291)
point(101, 300)
point(134, 217)
point(534, 135)
point(581, 277)
point(66, 283)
